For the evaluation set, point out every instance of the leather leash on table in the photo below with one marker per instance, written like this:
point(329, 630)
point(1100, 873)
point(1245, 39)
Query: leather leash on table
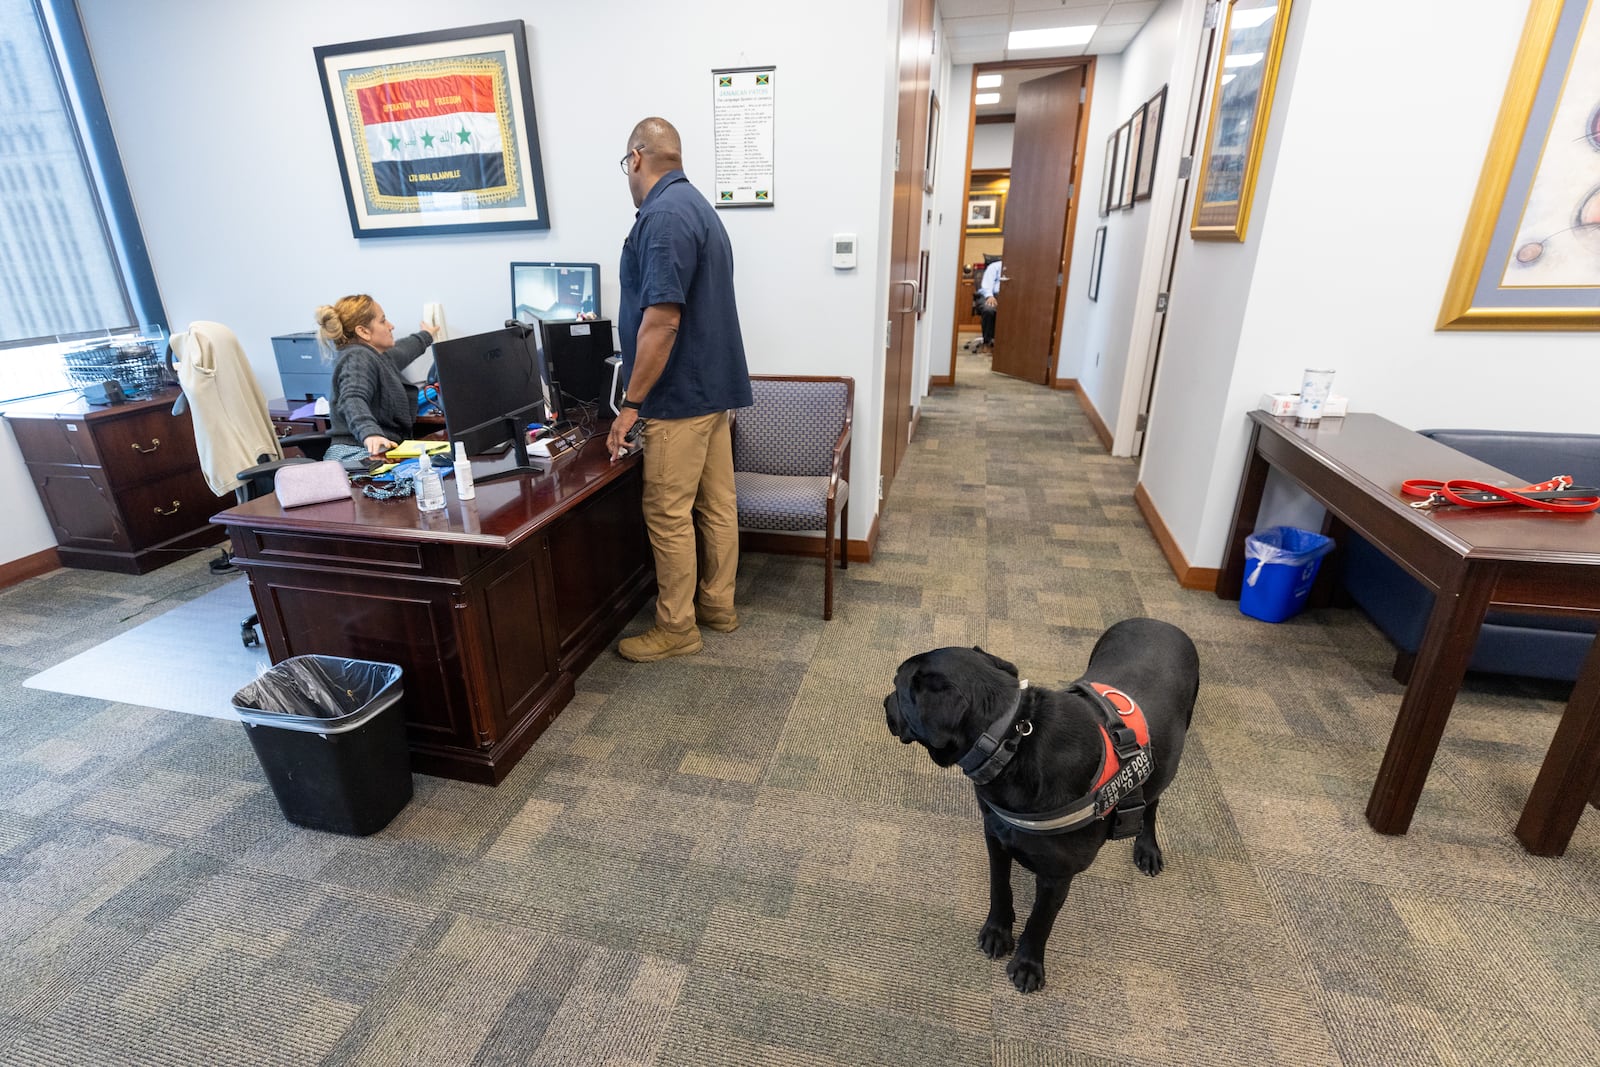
point(1557, 494)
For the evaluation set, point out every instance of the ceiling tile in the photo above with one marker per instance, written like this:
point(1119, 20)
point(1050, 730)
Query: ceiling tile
point(974, 27)
point(977, 49)
point(1077, 7)
point(963, 8)
point(1045, 20)
point(1137, 12)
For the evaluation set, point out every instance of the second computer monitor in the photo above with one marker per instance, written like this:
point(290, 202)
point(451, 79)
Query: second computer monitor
point(576, 354)
point(550, 292)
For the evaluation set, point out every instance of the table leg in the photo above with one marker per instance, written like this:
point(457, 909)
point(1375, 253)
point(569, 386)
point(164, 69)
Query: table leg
point(1571, 770)
point(1441, 664)
point(1245, 509)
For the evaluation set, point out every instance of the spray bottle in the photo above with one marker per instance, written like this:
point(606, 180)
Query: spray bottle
point(465, 490)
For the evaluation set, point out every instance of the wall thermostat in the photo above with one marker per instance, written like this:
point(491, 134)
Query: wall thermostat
point(844, 251)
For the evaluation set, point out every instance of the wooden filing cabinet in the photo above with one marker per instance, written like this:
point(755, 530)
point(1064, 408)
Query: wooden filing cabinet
point(121, 485)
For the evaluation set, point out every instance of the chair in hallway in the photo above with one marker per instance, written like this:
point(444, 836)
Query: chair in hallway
point(232, 427)
point(791, 462)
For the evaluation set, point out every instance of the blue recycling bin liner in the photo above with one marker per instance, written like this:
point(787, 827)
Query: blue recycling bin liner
point(1280, 565)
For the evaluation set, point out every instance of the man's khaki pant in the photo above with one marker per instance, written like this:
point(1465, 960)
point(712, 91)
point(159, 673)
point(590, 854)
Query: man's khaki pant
point(688, 485)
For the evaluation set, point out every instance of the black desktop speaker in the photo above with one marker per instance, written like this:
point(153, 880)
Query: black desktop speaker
point(106, 393)
point(618, 386)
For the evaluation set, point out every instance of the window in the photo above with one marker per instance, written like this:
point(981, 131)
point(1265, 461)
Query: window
point(72, 261)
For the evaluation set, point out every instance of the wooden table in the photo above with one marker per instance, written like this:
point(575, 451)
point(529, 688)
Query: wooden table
point(1515, 560)
point(493, 606)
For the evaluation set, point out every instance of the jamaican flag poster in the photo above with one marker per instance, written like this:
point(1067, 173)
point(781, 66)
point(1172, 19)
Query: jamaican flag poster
point(435, 132)
point(742, 107)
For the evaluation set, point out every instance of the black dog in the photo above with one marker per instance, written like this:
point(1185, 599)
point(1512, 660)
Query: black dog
point(1040, 758)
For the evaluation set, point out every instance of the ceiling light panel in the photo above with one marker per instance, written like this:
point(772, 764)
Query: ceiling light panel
point(989, 81)
point(1056, 37)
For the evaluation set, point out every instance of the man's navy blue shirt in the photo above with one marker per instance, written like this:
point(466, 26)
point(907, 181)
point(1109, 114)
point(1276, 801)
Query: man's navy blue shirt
point(678, 253)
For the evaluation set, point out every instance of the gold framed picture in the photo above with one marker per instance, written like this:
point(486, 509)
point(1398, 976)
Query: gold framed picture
point(986, 211)
point(1241, 101)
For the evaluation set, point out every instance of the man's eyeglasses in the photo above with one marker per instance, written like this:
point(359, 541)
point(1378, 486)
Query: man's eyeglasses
point(628, 158)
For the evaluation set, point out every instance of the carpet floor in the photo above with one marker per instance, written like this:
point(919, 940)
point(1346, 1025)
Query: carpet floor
point(726, 859)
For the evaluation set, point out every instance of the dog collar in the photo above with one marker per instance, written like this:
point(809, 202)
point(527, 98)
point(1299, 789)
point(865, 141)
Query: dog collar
point(1126, 763)
point(990, 754)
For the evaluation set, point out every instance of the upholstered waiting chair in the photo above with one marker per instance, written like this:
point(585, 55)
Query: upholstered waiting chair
point(791, 462)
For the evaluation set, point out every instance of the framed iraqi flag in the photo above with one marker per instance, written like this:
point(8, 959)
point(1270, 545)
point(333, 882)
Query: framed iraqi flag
point(435, 132)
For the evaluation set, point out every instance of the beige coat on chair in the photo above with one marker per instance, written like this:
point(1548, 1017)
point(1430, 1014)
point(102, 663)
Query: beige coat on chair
point(232, 429)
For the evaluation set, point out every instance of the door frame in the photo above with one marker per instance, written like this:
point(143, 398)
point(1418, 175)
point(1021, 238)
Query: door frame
point(1063, 63)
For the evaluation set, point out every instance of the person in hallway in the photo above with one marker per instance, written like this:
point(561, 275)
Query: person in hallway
point(684, 363)
point(372, 407)
point(989, 293)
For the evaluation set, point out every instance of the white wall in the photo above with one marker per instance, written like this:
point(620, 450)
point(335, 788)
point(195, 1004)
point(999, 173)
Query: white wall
point(937, 327)
point(1352, 277)
point(1095, 334)
point(223, 132)
point(991, 143)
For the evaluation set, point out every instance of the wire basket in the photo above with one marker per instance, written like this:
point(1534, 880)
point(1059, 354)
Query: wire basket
point(135, 365)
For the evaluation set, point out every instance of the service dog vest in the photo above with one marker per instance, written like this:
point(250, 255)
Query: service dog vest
point(1126, 763)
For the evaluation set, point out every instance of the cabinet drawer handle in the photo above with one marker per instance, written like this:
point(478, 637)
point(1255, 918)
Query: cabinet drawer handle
point(174, 511)
point(155, 443)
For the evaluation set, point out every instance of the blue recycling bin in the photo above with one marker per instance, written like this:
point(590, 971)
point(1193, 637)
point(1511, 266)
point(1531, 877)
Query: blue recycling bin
point(1280, 565)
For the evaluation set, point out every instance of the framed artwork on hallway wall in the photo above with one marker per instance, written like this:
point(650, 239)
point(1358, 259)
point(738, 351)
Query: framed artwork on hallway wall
point(1096, 261)
point(435, 132)
point(932, 157)
point(986, 212)
point(1530, 253)
point(1130, 161)
point(1149, 142)
point(1241, 102)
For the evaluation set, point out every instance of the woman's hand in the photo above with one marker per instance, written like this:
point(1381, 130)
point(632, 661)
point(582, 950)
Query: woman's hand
point(378, 444)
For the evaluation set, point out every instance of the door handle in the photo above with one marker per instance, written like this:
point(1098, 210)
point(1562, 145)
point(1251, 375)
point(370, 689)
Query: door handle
point(914, 295)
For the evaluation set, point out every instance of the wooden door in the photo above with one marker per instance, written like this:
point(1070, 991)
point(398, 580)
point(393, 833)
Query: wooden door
point(1036, 225)
point(911, 135)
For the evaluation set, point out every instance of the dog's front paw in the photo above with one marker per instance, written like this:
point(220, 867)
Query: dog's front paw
point(1147, 857)
point(995, 939)
point(1026, 974)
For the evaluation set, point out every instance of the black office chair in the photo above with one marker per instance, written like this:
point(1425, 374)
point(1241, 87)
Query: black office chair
point(231, 422)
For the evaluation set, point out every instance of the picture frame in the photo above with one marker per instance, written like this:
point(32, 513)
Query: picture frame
point(931, 158)
point(435, 132)
point(1130, 172)
point(986, 211)
point(1529, 257)
point(1120, 152)
point(1241, 102)
point(1155, 110)
point(922, 283)
point(1096, 262)
point(1107, 174)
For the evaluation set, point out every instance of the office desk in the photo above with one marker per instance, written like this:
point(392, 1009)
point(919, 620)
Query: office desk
point(493, 606)
point(1514, 559)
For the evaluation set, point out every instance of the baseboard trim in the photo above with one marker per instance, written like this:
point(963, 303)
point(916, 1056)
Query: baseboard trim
point(20, 570)
point(1068, 385)
point(942, 379)
point(1099, 424)
point(1199, 578)
point(799, 545)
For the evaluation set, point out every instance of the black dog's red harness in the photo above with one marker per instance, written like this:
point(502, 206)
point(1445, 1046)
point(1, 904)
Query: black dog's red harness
point(1126, 763)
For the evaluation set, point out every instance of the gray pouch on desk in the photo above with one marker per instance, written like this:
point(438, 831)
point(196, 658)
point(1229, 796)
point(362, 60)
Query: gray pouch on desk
point(311, 483)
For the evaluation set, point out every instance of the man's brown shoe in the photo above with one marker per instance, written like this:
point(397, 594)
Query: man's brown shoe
point(656, 643)
point(723, 623)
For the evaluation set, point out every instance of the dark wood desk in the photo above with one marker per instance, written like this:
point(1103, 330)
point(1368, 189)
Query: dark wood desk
point(1516, 560)
point(493, 606)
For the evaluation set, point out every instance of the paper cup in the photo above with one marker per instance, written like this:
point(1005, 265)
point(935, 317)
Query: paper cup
point(1315, 386)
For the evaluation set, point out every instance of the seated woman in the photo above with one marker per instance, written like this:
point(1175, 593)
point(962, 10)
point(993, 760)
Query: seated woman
point(372, 408)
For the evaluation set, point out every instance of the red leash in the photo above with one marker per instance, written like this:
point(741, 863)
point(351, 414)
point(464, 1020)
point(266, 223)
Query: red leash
point(1557, 494)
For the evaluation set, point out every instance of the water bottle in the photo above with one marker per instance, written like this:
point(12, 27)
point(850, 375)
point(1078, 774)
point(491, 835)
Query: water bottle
point(430, 488)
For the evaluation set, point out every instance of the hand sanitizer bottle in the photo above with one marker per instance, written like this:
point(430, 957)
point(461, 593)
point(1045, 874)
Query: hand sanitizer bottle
point(430, 488)
point(465, 490)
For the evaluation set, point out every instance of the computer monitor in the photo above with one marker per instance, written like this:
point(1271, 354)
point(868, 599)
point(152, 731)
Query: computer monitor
point(493, 384)
point(549, 292)
point(576, 354)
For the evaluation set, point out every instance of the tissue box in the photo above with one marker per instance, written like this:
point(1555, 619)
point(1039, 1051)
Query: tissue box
point(1281, 404)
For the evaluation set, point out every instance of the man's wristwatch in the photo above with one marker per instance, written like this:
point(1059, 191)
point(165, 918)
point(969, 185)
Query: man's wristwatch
point(634, 404)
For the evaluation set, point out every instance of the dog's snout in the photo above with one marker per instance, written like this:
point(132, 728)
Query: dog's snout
point(896, 721)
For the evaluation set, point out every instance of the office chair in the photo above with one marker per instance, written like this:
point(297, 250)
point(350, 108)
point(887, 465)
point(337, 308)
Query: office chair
point(231, 424)
point(791, 461)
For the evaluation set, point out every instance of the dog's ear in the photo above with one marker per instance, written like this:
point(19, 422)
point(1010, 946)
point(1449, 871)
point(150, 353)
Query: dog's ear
point(1009, 668)
point(939, 710)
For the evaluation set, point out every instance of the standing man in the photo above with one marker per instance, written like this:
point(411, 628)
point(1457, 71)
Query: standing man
point(989, 292)
point(683, 358)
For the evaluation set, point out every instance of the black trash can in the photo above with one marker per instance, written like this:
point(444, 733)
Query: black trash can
point(330, 740)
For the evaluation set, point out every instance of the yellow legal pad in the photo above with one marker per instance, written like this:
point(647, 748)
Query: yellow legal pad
point(409, 449)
